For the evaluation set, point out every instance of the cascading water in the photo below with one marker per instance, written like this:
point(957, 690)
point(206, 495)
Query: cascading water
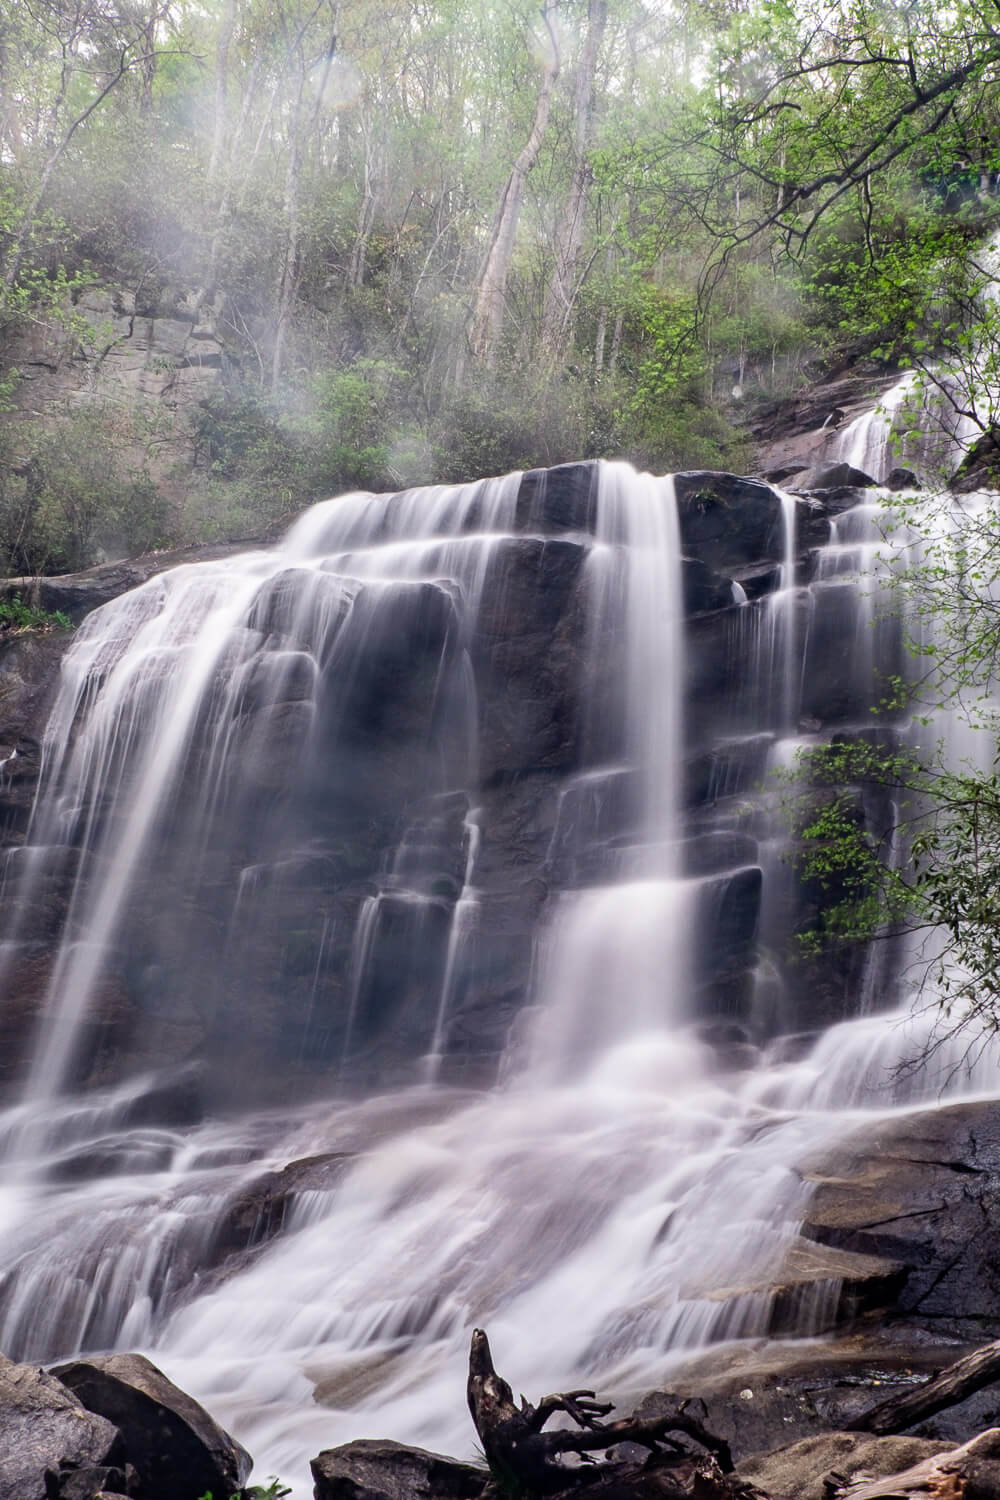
point(335, 772)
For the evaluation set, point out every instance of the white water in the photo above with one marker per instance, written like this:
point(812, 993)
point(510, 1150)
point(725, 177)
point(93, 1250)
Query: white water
point(622, 1199)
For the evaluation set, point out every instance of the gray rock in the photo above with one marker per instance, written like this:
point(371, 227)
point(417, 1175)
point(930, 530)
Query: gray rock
point(797, 1472)
point(43, 1426)
point(177, 1449)
point(923, 1189)
point(373, 1469)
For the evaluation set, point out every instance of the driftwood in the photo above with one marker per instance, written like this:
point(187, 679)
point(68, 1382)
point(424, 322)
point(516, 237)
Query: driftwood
point(947, 1388)
point(525, 1460)
point(971, 1472)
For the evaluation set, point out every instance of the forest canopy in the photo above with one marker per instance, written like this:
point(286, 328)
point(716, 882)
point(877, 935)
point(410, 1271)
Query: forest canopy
point(430, 242)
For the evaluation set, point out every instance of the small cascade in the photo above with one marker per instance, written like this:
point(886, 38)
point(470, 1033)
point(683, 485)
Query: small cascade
point(867, 442)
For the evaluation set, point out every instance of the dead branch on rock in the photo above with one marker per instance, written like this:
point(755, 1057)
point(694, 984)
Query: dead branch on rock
point(947, 1388)
point(970, 1472)
point(523, 1459)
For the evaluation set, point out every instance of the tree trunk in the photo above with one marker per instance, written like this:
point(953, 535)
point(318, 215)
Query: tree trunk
point(222, 46)
point(563, 286)
point(947, 1388)
point(522, 1458)
point(487, 319)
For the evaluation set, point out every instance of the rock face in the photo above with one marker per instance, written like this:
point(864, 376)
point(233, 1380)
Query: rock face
point(159, 352)
point(176, 1448)
point(383, 1470)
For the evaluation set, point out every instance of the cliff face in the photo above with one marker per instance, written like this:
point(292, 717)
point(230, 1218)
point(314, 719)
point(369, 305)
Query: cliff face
point(154, 358)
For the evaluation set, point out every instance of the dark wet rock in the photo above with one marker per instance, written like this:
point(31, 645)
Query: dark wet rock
point(798, 1472)
point(301, 606)
point(835, 476)
point(90, 1483)
point(529, 657)
point(761, 1397)
point(372, 1469)
point(925, 1190)
point(703, 588)
point(177, 1450)
point(757, 579)
point(714, 851)
point(44, 1426)
point(144, 1151)
point(728, 915)
point(259, 1209)
point(902, 479)
point(558, 500)
point(820, 1289)
point(980, 469)
point(172, 1098)
point(727, 521)
point(29, 667)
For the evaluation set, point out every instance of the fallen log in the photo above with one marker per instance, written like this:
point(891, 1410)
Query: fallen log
point(525, 1460)
point(947, 1388)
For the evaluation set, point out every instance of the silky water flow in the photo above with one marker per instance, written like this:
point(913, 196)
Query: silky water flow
point(619, 1198)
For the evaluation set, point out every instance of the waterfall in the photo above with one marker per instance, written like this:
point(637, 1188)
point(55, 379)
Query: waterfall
point(462, 783)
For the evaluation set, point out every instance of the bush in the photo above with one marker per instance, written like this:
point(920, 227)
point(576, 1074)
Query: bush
point(77, 491)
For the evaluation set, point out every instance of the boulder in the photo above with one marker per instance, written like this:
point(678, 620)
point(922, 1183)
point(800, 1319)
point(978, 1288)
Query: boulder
point(902, 479)
point(835, 476)
point(43, 1426)
point(798, 1472)
point(558, 500)
point(704, 589)
point(372, 1469)
point(177, 1449)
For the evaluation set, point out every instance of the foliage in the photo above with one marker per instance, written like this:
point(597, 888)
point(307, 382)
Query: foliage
point(273, 1490)
point(16, 615)
point(683, 207)
point(920, 853)
point(944, 885)
point(69, 497)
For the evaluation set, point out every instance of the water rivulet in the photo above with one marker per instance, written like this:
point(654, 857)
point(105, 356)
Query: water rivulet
point(438, 845)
